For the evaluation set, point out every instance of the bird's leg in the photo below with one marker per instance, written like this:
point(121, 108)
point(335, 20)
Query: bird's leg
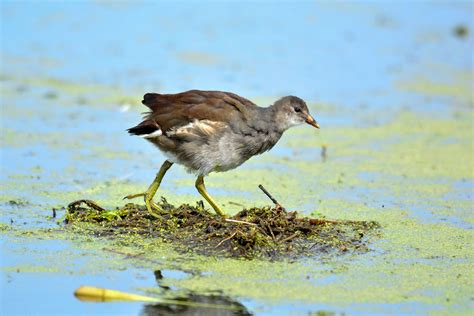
point(150, 192)
point(202, 190)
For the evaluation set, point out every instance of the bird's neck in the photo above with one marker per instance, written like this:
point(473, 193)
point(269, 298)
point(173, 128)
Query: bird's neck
point(277, 119)
point(274, 129)
point(260, 125)
point(268, 121)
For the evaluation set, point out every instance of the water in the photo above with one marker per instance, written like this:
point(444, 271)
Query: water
point(73, 75)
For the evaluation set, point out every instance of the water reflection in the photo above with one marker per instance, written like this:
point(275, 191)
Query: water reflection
point(230, 307)
point(234, 307)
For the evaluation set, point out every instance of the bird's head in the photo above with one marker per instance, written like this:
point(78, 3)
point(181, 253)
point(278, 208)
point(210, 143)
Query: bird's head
point(291, 111)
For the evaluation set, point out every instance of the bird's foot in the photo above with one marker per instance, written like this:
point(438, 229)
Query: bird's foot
point(150, 205)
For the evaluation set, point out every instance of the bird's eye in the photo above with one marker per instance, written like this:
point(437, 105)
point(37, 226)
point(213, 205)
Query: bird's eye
point(297, 110)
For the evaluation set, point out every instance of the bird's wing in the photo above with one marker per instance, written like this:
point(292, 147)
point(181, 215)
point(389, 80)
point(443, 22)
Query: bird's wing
point(175, 110)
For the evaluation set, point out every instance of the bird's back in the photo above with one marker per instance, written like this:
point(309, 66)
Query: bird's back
point(175, 110)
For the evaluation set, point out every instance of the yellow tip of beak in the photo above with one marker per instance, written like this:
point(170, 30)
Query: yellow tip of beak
point(310, 120)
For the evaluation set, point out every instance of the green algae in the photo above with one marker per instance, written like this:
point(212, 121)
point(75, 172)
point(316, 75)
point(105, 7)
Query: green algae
point(418, 155)
point(387, 173)
point(5, 227)
point(28, 268)
point(456, 84)
point(71, 93)
point(13, 138)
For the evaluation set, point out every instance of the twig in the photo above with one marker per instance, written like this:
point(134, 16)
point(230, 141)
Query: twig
point(74, 205)
point(289, 237)
point(240, 222)
point(270, 196)
point(224, 240)
point(235, 203)
point(262, 230)
point(271, 231)
point(318, 221)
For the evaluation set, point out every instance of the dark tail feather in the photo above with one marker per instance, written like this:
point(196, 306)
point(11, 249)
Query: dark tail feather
point(144, 128)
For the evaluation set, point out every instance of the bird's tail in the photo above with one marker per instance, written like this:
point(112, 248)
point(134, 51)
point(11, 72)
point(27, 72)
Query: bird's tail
point(147, 129)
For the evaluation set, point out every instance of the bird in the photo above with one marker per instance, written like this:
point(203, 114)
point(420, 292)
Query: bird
point(212, 131)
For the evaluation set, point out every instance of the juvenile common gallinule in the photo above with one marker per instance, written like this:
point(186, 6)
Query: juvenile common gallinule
point(208, 131)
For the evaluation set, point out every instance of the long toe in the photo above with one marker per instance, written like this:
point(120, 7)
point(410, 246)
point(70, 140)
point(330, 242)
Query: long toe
point(155, 206)
point(149, 206)
point(133, 196)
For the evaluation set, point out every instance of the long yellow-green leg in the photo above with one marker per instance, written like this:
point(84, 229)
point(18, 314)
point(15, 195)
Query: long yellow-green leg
point(150, 192)
point(202, 190)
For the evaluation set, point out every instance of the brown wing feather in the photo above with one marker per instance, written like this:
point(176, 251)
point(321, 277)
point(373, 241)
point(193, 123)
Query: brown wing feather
point(174, 110)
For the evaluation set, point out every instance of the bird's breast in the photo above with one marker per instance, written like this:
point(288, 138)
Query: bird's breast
point(205, 146)
point(238, 147)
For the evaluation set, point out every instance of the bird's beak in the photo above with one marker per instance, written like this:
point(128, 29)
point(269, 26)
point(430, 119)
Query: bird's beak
point(310, 120)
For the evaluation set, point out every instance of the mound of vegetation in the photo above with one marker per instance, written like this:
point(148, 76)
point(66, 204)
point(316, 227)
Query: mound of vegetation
point(270, 232)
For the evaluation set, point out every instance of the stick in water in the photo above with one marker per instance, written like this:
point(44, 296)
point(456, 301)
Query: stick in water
point(270, 196)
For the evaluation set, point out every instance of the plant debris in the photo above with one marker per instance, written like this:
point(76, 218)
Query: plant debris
point(270, 232)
